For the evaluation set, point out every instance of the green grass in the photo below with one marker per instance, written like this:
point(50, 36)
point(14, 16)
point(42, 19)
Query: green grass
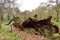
point(58, 24)
point(5, 21)
point(5, 32)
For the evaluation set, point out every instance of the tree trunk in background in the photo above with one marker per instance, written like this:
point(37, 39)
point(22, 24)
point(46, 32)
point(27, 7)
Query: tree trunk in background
point(8, 16)
point(1, 12)
point(57, 9)
point(0, 22)
point(9, 13)
point(0, 18)
point(57, 15)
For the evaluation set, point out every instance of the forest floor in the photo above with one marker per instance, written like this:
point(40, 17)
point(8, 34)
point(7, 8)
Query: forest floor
point(19, 35)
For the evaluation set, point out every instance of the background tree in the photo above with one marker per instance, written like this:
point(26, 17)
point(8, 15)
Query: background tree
point(57, 2)
point(1, 11)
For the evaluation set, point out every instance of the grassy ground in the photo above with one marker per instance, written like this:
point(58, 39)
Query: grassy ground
point(5, 21)
point(6, 35)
